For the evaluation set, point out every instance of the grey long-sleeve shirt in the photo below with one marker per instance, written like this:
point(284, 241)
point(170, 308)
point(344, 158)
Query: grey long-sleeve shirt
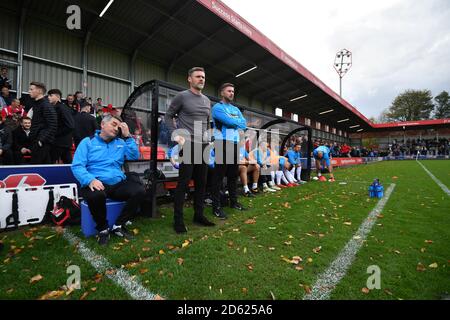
point(190, 108)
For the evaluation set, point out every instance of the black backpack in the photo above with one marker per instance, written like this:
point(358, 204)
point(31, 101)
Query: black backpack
point(65, 212)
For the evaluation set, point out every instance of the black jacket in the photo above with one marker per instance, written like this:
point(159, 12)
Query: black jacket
point(5, 137)
point(66, 125)
point(44, 122)
point(21, 140)
point(85, 126)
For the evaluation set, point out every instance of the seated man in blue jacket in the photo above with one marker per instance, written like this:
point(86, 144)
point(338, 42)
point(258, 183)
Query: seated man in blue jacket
point(228, 121)
point(97, 166)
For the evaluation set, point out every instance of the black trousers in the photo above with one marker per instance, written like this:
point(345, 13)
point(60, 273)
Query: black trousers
point(62, 153)
point(40, 155)
point(193, 168)
point(227, 155)
point(129, 191)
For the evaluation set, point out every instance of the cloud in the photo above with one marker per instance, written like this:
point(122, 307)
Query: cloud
point(396, 44)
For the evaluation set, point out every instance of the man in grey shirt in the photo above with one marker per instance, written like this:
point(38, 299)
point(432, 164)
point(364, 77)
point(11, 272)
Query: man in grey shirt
point(192, 111)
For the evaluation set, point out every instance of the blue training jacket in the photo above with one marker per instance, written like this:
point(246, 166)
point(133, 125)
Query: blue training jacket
point(294, 157)
point(227, 120)
point(97, 159)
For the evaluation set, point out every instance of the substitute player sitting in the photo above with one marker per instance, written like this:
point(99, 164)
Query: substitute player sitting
point(322, 155)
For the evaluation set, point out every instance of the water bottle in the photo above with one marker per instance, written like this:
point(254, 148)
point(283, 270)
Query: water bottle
point(371, 191)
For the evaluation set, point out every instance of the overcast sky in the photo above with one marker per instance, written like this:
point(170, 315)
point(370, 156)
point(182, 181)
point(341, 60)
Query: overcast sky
point(396, 44)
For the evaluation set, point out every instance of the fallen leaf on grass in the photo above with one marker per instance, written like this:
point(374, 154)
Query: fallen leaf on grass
point(145, 249)
point(310, 260)
point(36, 279)
point(420, 267)
point(135, 231)
point(433, 265)
point(250, 267)
point(429, 241)
point(52, 295)
point(158, 297)
point(317, 250)
point(9, 291)
point(244, 290)
point(307, 289)
point(143, 271)
point(147, 240)
point(49, 237)
point(250, 221)
point(180, 261)
point(287, 205)
point(299, 268)
point(84, 296)
point(397, 252)
point(185, 244)
point(365, 290)
point(348, 223)
point(423, 250)
point(161, 251)
point(34, 258)
point(271, 248)
point(288, 243)
point(93, 289)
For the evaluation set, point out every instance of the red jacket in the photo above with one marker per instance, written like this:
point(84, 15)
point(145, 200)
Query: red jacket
point(8, 111)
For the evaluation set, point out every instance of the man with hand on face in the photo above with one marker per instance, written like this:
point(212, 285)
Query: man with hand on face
point(97, 166)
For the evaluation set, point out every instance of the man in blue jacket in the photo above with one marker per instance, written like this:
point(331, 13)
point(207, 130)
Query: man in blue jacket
point(228, 121)
point(97, 166)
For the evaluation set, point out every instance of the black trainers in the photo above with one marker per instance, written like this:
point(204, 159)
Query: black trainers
point(249, 194)
point(122, 232)
point(237, 206)
point(218, 212)
point(103, 237)
point(179, 228)
point(203, 221)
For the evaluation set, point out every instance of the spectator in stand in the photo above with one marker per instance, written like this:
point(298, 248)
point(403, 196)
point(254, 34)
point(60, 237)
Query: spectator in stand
point(4, 81)
point(14, 109)
point(80, 99)
point(70, 102)
point(22, 142)
point(43, 125)
point(97, 106)
point(63, 138)
point(85, 125)
point(6, 155)
point(5, 98)
point(345, 150)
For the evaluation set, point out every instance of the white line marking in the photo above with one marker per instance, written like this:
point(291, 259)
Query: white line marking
point(122, 278)
point(328, 280)
point(439, 183)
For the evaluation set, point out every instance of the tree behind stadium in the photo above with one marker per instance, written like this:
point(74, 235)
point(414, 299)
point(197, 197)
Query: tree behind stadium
point(442, 105)
point(411, 105)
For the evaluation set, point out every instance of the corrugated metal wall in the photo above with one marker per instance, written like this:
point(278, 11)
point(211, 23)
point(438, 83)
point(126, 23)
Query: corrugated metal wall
point(111, 91)
point(145, 71)
point(56, 45)
point(47, 42)
point(9, 30)
point(54, 77)
point(108, 61)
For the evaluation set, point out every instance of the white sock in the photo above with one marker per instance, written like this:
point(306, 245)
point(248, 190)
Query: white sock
point(272, 174)
point(255, 186)
point(299, 173)
point(289, 176)
point(283, 178)
point(265, 185)
point(319, 174)
point(115, 227)
point(246, 189)
point(279, 174)
point(271, 183)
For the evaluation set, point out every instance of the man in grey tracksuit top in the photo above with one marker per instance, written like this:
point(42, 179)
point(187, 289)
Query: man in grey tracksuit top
point(193, 110)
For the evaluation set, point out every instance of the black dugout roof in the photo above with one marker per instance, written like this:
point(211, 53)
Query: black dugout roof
point(179, 34)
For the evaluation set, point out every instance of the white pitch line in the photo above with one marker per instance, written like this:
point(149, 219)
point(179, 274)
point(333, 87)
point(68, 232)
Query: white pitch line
point(328, 280)
point(101, 265)
point(439, 183)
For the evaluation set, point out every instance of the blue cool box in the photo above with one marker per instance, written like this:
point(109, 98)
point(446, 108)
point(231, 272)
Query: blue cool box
point(113, 210)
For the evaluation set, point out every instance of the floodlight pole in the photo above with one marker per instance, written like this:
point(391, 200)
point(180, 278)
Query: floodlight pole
point(342, 64)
